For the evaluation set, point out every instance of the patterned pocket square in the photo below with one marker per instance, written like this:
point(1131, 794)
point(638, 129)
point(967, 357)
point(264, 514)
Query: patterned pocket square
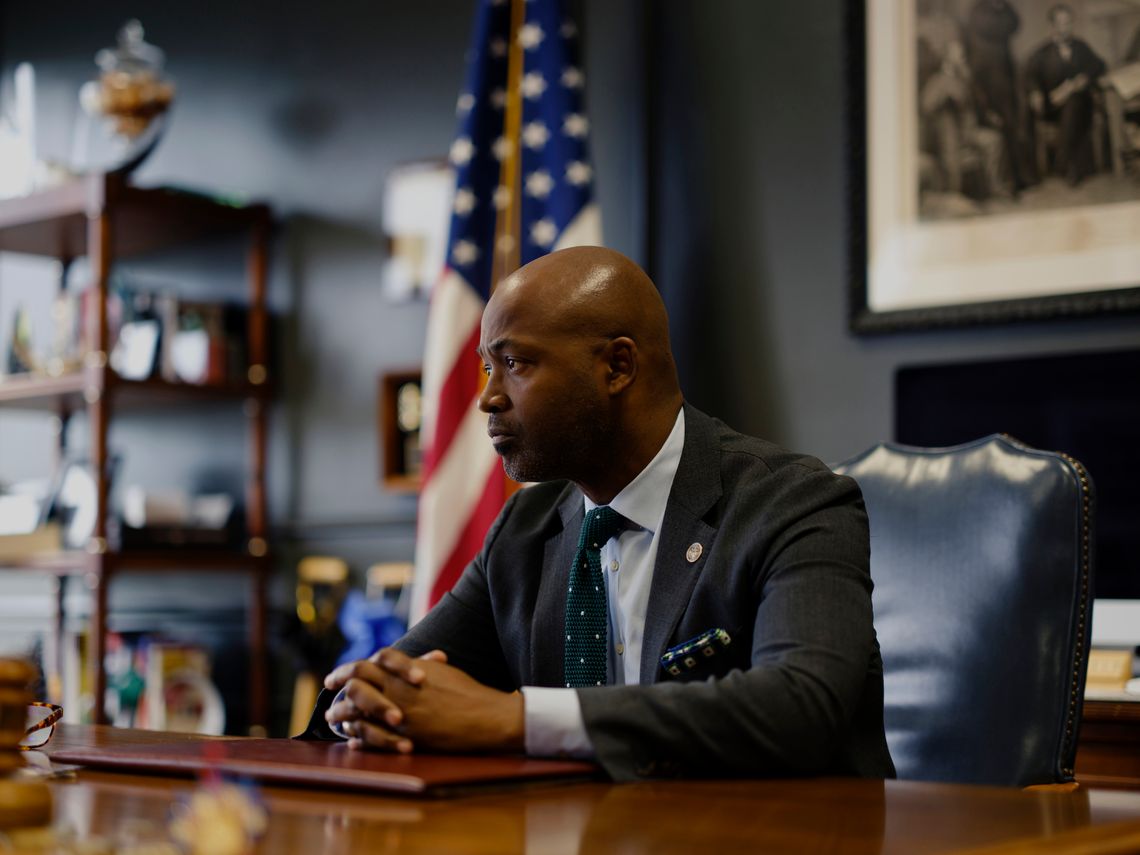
point(688, 655)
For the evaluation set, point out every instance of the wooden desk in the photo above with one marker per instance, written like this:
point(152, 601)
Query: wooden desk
point(1108, 752)
point(829, 815)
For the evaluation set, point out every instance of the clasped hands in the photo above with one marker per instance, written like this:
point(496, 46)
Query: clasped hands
point(392, 702)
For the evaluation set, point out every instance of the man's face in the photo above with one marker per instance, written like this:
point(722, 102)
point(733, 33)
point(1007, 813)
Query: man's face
point(548, 412)
point(1062, 24)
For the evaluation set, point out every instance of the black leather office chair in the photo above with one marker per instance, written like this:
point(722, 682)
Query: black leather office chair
point(982, 560)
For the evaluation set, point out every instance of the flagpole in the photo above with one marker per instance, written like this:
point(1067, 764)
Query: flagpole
point(508, 229)
point(507, 222)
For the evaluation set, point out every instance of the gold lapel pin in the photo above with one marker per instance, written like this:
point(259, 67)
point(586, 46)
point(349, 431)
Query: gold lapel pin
point(693, 553)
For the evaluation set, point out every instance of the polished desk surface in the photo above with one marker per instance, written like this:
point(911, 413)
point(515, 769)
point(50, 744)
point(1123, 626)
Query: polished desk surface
point(826, 815)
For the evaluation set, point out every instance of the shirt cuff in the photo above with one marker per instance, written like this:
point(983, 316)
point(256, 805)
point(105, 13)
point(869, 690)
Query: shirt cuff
point(554, 725)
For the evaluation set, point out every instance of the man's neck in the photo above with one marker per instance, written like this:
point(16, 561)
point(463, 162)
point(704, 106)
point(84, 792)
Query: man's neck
point(630, 456)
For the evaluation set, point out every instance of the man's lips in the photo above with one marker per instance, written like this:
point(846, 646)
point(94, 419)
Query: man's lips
point(500, 437)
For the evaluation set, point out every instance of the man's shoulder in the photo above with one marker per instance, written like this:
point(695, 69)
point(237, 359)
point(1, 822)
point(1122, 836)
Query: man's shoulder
point(752, 454)
point(763, 488)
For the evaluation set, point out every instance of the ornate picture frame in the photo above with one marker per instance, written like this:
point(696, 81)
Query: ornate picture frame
point(927, 251)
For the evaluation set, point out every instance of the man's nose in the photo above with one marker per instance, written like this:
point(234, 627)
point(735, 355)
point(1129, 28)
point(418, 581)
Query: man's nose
point(491, 399)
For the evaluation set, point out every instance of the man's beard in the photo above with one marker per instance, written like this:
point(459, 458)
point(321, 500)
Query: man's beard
point(570, 448)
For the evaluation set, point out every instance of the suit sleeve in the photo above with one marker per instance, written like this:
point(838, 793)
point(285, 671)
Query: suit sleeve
point(462, 624)
point(813, 645)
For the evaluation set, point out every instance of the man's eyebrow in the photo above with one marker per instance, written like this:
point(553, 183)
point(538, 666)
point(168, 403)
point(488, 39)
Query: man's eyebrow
point(494, 347)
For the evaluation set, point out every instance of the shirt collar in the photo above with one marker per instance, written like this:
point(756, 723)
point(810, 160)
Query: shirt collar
point(642, 501)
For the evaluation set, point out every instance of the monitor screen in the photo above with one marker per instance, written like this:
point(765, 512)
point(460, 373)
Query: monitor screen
point(1086, 405)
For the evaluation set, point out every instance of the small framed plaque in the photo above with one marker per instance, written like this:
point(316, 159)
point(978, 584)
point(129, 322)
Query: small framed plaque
point(401, 414)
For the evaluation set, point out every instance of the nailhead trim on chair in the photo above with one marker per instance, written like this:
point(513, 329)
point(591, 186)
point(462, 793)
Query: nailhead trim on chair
point(1086, 500)
point(1074, 694)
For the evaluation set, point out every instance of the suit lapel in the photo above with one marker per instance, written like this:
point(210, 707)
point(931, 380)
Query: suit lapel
point(549, 622)
point(696, 488)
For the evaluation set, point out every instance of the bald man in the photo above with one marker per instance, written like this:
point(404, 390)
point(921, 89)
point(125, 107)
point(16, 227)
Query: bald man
point(720, 623)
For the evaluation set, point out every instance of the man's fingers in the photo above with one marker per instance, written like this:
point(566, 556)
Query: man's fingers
point(400, 665)
point(387, 660)
point(365, 734)
point(362, 694)
point(338, 676)
point(365, 669)
point(381, 709)
point(371, 702)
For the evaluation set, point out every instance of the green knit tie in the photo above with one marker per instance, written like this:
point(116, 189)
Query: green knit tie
point(587, 624)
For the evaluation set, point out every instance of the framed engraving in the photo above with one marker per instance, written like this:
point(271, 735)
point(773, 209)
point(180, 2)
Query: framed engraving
point(995, 161)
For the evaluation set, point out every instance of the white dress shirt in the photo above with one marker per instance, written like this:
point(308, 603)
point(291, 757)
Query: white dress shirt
point(554, 725)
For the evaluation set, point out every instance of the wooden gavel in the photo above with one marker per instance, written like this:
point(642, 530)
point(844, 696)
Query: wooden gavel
point(23, 802)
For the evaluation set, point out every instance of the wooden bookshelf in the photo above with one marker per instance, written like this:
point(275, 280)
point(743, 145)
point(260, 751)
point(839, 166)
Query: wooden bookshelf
point(56, 223)
point(104, 219)
point(36, 392)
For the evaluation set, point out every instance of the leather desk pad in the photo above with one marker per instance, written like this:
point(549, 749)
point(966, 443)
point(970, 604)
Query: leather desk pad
point(309, 764)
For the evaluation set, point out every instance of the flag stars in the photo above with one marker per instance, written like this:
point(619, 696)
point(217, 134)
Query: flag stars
point(533, 85)
point(569, 30)
point(572, 78)
point(502, 148)
point(543, 233)
point(578, 173)
point(539, 184)
point(535, 135)
point(465, 103)
point(464, 252)
point(498, 48)
point(576, 125)
point(498, 98)
point(464, 202)
point(531, 36)
point(501, 197)
point(505, 244)
point(462, 150)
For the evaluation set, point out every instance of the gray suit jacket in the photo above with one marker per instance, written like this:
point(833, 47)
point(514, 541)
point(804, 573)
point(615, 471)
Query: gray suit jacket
point(783, 569)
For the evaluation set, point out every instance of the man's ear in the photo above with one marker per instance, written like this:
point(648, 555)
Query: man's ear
point(620, 357)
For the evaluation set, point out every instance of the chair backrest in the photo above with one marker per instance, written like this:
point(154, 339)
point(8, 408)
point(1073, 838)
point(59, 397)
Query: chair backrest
point(981, 555)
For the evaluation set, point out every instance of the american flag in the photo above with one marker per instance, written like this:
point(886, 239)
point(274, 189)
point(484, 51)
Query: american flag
point(524, 187)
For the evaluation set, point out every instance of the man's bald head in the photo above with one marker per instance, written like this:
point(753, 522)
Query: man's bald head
point(581, 381)
point(590, 292)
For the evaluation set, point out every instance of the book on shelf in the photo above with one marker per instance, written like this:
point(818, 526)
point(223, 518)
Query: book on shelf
point(44, 540)
point(179, 694)
point(195, 348)
point(76, 677)
point(153, 683)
